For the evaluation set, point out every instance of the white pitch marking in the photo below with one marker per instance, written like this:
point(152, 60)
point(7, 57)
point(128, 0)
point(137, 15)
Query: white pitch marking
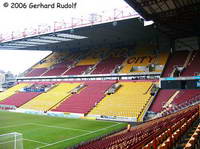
point(15, 125)
point(43, 125)
point(77, 136)
point(9, 141)
point(35, 141)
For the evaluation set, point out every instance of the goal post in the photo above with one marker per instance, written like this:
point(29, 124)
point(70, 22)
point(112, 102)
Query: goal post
point(12, 140)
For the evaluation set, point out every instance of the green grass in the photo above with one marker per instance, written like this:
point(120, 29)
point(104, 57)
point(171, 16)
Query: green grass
point(52, 132)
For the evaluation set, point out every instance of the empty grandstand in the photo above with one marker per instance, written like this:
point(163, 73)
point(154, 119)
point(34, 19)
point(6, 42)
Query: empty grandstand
point(128, 101)
point(117, 84)
point(12, 91)
point(87, 98)
point(48, 100)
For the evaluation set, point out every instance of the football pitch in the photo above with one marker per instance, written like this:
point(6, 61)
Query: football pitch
point(44, 132)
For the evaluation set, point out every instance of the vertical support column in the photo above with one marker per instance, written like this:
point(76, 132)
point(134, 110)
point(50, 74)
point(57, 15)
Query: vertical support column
point(198, 40)
point(172, 45)
point(157, 43)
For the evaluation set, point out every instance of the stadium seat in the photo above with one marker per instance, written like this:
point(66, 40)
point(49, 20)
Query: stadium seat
point(177, 58)
point(44, 65)
point(49, 60)
point(19, 98)
point(77, 70)
point(193, 65)
point(162, 97)
point(88, 97)
point(90, 60)
point(107, 65)
point(58, 69)
point(143, 59)
point(186, 96)
point(147, 135)
point(11, 91)
point(128, 101)
point(48, 100)
point(36, 72)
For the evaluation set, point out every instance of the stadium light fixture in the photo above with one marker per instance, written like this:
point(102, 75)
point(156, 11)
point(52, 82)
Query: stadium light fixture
point(114, 23)
point(71, 36)
point(147, 23)
point(55, 38)
point(43, 40)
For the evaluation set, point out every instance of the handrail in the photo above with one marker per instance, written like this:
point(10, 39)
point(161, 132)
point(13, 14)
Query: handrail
point(118, 14)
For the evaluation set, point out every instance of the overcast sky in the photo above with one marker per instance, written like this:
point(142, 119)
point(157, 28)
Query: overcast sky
point(18, 19)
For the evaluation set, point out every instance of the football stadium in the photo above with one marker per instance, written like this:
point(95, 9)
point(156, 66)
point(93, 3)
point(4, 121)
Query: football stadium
point(128, 80)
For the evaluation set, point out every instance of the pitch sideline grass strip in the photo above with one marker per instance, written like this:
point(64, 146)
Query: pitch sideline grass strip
point(77, 136)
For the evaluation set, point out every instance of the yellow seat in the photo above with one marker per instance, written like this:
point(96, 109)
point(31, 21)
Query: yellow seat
point(50, 60)
point(48, 100)
point(128, 101)
point(11, 91)
point(144, 57)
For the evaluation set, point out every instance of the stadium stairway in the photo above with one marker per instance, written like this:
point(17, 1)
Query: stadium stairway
point(58, 69)
point(86, 99)
point(165, 97)
point(106, 66)
point(185, 96)
point(162, 97)
point(80, 65)
point(43, 66)
point(77, 70)
point(193, 65)
point(93, 68)
point(189, 57)
point(48, 61)
point(46, 101)
point(171, 99)
point(11, 91)
point(36, 72)
point(128, 101)
point(178, 58)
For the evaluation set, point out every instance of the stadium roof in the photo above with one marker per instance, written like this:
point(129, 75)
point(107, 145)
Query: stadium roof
point(76, 33)
point(110, 34)
point(176, 18)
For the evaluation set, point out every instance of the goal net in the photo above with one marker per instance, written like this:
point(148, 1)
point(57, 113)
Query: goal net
point(11, 141)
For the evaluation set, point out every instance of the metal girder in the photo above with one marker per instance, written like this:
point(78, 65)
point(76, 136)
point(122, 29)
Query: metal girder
point(146, 3)
point(137, 7)
point(178, 11)
point(181, 21)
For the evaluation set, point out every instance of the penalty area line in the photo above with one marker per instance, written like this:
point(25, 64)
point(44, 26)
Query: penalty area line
point(35, 141)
